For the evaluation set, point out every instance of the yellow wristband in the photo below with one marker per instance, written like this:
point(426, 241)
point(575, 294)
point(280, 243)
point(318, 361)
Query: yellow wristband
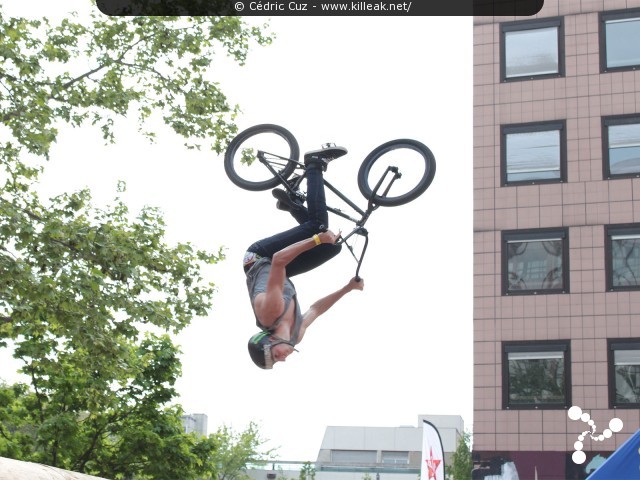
point(316, 239)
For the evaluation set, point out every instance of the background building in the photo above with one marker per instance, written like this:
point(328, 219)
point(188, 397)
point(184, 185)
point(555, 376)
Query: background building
point(195, 422)
point(379, 453)
point(556, 235)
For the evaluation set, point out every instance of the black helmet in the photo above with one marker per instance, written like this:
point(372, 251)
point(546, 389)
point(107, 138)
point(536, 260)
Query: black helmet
point(260, 348)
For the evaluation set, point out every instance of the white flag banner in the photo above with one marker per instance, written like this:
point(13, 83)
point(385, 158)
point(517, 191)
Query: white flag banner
point(432, 453)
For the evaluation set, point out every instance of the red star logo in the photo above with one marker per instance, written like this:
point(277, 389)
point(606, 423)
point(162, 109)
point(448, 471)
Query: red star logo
point(432, 465)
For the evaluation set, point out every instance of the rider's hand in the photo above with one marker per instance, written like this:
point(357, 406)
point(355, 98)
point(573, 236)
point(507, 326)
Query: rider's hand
point(329, 237)
point(356, 284)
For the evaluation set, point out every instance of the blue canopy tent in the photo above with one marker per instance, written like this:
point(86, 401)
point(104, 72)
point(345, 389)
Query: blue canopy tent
point(623, 464)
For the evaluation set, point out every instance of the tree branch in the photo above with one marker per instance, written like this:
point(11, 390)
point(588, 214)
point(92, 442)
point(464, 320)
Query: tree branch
point(117, 60)
point(81, 463)
point(3, 433)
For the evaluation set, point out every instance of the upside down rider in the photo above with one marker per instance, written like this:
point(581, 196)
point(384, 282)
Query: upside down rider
point(271, 262)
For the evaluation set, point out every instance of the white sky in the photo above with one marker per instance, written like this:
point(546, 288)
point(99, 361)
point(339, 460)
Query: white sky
point(381, 357)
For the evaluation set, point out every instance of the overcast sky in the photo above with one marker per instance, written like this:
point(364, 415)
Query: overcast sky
point(381, 357)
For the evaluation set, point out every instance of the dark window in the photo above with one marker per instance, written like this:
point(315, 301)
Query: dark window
point(621, 146)
point(624, 373)
point(536, 374)
point(532, 49)
point(623, 257)
point(535, 261)
point(533, 153)
point(620, 40)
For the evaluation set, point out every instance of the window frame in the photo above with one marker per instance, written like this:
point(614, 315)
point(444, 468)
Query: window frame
point(534, 127)
point(536, 346)
point(536, 24)
point(371, 454)
point(604, 17)
point(609, 232)
point(614, 344)
point(398, 453)
point(612, 121)
point(536, 235)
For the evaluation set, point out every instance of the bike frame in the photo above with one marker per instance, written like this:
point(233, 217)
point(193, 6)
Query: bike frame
point(359, 229)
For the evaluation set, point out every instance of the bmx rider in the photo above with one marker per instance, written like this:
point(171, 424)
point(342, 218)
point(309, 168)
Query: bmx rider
point(271, 262)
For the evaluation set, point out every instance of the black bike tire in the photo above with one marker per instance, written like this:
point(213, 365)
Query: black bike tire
point(365, 168)
point(237, 142)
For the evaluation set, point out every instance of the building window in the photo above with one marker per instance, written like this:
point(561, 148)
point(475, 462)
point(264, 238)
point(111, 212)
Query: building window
point(620, 40)
point(353, 456)
point(621, 146)
point(395, 458)
point(624, 373)
point(533, 153)
point(532, 49)
point(535, 261)
point(536, 374)
point(623, 257)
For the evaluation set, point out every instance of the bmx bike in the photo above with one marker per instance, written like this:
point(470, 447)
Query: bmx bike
point(380, 177)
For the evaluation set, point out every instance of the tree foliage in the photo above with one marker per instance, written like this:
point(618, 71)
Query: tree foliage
point(307, 472)
point(90, 295)
point(118, 67)
point(234, 451)
point(462, 462)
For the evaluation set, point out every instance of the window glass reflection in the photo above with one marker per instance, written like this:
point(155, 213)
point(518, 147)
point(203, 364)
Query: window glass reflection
point(622, 42)
point(625, 260)
point(624, 149)
point(536, 378)
point(534, 265)
point(533, 156)
point(531, 52)
point(627, 376)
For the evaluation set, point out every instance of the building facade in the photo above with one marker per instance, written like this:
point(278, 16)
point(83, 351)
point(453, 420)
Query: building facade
point(556, 238)
point(366, 452)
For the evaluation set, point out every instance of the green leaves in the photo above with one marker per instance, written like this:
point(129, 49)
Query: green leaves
point(461, 460)
point(131, 67)
point(233, 452)
point(248, 156)
point(83, 293)
point(89, 296)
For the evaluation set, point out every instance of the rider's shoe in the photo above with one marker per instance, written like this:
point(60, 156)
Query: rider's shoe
point(323, 156)
point(294, 183)
point(285, 202)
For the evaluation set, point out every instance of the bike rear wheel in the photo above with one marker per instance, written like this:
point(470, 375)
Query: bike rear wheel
point(279, 149)
point(415, 166)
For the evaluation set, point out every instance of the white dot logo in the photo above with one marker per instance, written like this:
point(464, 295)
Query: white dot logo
point(576, 413)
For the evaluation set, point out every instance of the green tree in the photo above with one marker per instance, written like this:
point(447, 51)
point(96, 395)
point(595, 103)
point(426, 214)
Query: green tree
point(233, 452)
point(307, 472)
point(461, 461)
point(90, 296)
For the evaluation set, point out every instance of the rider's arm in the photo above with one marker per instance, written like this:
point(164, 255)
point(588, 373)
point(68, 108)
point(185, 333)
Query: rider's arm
point(270, 306)
point(325, 303)
point(285, 256)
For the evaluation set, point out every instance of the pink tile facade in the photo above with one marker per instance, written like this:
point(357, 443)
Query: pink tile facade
point(589, 315)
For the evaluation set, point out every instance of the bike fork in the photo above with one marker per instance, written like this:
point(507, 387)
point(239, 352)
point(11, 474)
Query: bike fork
point(360, 231)
point(396, 175)
point(365, 215)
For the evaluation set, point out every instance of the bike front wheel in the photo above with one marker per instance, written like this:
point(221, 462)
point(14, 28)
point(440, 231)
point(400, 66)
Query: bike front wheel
point(261, 157)
point(396, 172)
